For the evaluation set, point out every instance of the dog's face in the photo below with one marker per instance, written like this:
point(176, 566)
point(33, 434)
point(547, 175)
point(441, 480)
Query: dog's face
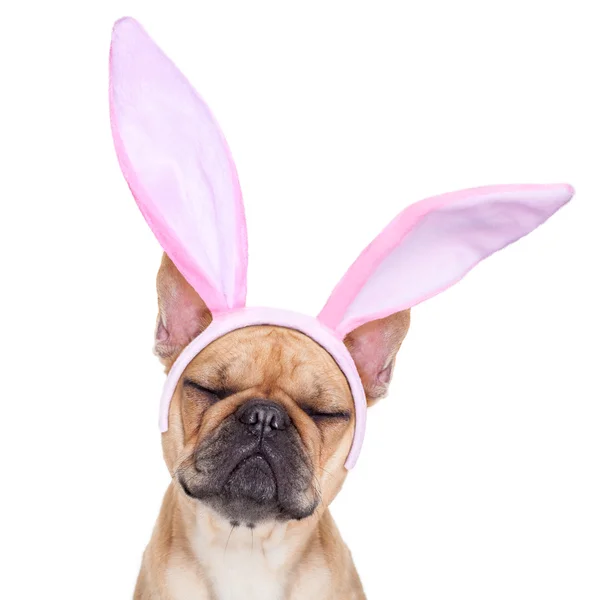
point(262, 420)
point(265, 413)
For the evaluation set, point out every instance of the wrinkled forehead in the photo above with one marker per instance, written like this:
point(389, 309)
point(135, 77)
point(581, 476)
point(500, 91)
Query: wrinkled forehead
point(269, 356)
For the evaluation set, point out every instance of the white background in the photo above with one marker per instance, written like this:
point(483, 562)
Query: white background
point(480, 477)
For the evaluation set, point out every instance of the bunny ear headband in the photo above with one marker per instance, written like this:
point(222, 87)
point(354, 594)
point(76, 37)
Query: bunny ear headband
point(181, 174)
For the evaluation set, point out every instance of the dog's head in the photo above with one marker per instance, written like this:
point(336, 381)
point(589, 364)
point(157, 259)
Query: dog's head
point(262, 419)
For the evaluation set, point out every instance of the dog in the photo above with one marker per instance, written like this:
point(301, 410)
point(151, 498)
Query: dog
point(260, 427)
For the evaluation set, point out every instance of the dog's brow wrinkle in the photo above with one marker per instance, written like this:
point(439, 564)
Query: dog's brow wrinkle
point(295, 365)
point(222, 375)
point(277, 359)
point(311, 393)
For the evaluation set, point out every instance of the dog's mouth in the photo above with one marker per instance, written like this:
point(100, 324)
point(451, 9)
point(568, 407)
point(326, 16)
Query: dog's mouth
point(253, 479)
point(249, 494)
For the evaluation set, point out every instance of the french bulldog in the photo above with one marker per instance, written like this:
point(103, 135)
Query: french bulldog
point(260, 427)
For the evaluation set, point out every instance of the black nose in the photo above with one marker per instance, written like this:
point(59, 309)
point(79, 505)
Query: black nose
point(263, 417)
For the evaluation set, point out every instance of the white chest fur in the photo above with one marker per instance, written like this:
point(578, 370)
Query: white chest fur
point(242, 564)
point(242, 575)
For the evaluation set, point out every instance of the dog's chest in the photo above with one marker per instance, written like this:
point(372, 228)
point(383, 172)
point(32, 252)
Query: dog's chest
point(244, 575)
point(242, 571)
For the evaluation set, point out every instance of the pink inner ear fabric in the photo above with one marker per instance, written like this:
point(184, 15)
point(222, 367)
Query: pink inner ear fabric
point(179, 168)
point(432, 245)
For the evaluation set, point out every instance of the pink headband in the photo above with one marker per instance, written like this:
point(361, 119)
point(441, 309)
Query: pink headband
point(181, 174)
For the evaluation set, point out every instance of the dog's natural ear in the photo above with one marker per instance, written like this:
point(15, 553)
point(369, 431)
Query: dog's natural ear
point(373, 347)
point(182, 314)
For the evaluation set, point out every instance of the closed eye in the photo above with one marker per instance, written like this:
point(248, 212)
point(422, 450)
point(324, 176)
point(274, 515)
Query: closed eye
point(317, 415)
point(219, 394)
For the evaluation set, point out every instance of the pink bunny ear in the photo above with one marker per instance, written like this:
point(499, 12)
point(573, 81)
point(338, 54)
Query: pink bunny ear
point(178, 167)
point(432, 245)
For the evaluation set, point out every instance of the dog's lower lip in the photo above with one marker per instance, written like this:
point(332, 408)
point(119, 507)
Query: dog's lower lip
point(254, 479)
point(256, 456)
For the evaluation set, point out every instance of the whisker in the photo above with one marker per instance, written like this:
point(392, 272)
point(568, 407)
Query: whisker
point(228, 538)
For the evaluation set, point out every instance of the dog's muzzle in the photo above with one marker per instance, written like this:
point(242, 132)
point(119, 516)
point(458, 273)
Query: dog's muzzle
point(253, 467)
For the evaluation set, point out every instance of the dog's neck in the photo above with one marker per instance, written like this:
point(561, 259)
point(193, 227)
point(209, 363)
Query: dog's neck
point(242, 562)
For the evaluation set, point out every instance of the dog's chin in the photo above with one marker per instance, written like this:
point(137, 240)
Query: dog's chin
point(250, 496)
